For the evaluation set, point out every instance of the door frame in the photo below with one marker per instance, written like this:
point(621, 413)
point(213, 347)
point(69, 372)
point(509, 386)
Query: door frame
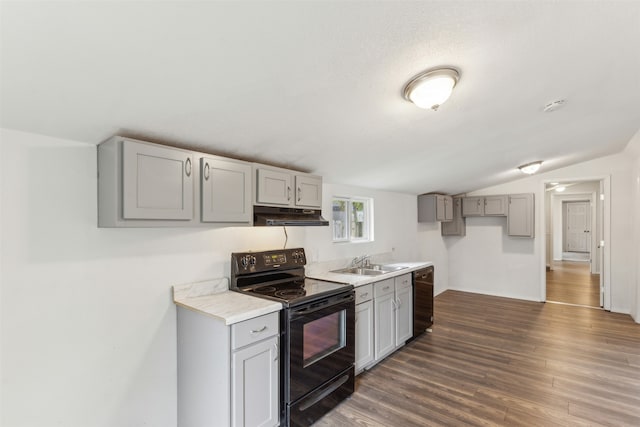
point(605, 243)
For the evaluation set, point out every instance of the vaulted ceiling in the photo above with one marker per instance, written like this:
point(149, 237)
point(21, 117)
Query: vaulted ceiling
point(317, 86)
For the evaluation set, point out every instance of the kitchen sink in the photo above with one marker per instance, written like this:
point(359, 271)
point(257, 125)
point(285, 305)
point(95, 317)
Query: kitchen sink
point(370, 270)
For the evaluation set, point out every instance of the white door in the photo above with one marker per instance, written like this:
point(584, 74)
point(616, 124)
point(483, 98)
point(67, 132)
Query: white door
point(578, 226)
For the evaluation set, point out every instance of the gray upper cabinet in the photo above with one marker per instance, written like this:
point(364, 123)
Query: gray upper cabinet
point(282, 187)
point(274, 187)
point(435, 207)
point(144, 185)
point(141, 184)
point(520, 219)
point(456, 227)
point(226, 190)
point(308, 191)
point(157, 182)
point(484, 206)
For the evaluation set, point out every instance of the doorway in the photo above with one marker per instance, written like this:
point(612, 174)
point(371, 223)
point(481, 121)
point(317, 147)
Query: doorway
point(574, 260)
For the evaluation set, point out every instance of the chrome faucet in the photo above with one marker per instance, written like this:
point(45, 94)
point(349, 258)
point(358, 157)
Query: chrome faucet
point(363, 260)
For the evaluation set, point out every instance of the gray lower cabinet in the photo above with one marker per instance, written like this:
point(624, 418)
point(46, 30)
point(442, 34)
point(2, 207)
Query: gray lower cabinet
point(384, 318)
point(393, 314)
point(255, 384)
point(364, 328)
point(435, 207)
point(225, 190)
point(403, 309)
point(456, 227)
point(227, 375)
point(520, 219)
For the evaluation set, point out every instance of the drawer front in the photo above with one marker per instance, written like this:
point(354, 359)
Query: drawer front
point(254, 330)
point(383, 287)
point(403, 282)
point(364, 293)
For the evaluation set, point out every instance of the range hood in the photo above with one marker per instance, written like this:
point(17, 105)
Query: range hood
point(274, 216)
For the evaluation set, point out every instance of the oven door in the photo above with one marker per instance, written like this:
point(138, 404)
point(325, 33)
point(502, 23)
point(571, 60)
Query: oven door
point(321, 342)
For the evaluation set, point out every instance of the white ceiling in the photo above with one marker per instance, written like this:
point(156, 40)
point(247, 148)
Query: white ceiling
point(317, 86)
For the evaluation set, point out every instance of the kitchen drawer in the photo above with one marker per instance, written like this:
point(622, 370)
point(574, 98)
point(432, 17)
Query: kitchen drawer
point(383, 287)
point(403, 282)
point(254, 330)
point(364, 293)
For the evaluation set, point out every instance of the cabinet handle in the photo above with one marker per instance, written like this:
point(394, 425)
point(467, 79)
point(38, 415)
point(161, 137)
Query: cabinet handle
point(288, 193)
point(206, 171)
point(299, 193)
point(364, 295)
point(398, 302)
point(187, 167)
point(386, 288)
point(275, 345)
point(257, 331)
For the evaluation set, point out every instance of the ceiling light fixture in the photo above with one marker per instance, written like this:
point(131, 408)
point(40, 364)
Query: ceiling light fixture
point(432, 88)
point(530, 168)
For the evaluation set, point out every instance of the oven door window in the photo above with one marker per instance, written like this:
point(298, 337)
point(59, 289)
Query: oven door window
point(323, 336)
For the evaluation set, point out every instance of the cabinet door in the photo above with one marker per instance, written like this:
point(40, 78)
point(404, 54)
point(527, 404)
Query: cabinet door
point(520, 218)
point(364, 335)
point(384, 325)
point(255, 385)
point(157, 182)
point(495, 205)
point(274, 187)
point(457, 227)
point(404, 315)
point(308, 191)
point(226, 190)
point(444, 208)
point(473, 206)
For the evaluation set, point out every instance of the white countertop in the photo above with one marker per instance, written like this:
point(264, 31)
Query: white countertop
point(358, 280)
point(212, 298)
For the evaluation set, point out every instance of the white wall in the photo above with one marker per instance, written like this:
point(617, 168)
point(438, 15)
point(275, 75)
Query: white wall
point(488, 261)
point(88, 323)
point(633, 151)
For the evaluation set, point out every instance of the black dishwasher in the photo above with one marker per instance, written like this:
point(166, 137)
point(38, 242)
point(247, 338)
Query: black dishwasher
point(422, 300)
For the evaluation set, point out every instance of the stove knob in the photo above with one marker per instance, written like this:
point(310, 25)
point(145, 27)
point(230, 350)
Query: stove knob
point(244, 261)
point(295, 255)
point(252, 261)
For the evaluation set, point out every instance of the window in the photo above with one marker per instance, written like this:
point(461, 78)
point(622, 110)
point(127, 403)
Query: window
point(352, 219)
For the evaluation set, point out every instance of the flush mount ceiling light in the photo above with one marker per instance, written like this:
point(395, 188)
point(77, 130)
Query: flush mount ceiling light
point(530, 168)
point(553, 106)
point(432, 88)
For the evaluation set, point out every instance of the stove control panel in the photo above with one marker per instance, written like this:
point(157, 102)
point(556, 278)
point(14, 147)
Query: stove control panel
point(254, 262)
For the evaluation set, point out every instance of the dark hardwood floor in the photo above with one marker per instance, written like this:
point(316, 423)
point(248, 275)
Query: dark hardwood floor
point(496, 361)
point(572, 282)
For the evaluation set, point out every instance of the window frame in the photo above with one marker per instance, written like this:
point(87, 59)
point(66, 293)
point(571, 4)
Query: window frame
point(349, 226)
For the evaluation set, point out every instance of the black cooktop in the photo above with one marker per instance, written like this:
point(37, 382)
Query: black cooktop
point(297, 291)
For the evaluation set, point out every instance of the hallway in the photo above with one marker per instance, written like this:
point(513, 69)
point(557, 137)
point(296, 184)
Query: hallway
point(571, 282)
